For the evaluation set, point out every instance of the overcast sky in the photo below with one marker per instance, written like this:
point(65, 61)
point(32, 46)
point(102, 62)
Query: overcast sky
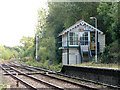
point(17, 19)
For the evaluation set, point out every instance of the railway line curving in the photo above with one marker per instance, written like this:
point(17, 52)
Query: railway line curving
point(9, 69)
point(69, 76)
point(43, 78)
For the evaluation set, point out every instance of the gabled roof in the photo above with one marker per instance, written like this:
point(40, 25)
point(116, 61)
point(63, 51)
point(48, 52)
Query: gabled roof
point(81, 22)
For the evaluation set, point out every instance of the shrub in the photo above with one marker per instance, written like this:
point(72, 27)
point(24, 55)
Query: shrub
point(60, 65)
point(111, 53)
point(46, 64)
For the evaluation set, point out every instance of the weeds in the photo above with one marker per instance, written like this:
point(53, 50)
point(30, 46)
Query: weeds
point(46, 64)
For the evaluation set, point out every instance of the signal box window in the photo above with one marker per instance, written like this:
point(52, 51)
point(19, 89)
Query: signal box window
point(84, 38)
point(73, 38)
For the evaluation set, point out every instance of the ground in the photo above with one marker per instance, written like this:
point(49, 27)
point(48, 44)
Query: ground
point(7, 81)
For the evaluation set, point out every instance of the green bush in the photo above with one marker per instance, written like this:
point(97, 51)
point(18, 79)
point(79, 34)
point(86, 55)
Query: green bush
point(60, 65)
point(111, 53)
point(46, 64)
point(4, 88)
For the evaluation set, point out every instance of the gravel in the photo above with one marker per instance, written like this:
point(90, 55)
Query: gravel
point(8, 81)
point(32, 82)
point(81, 82)
point(56, 82)
point(11, 83)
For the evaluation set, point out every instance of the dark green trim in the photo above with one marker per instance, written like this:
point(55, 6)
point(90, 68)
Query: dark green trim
point(76, 59)
point(67, 47)
point(80, 54)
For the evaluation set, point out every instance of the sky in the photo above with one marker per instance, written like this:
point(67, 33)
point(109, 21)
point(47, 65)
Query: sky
point(17, 19)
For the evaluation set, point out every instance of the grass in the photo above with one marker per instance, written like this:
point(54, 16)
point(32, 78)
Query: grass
point(58, 67)
point(98, 65)
point(4, 88)
point(45, 65)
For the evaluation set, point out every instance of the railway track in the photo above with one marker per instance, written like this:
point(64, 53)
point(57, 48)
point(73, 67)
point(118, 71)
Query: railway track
point(54, 77)
point(70, 77)
point(21, 76)
point(17, 78)
point(58, 75)
point(29, 78)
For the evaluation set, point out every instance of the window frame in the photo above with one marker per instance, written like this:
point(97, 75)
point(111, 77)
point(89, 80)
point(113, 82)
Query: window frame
point(74, 37)
point(84, 39)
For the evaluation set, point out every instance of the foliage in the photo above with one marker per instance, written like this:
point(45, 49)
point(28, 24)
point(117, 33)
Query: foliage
point(26, 41)
point(111, 53)
point(4, 88)
point(28, 48)
point(62, 15)
point(9, 52)
point(45, 65)
point(18, 51)
point(46, 45)
point(109, 13)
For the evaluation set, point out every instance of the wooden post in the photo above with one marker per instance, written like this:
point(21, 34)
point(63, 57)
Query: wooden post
point(17, 82)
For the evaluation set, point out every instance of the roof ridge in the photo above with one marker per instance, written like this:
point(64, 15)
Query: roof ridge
point(81, 21)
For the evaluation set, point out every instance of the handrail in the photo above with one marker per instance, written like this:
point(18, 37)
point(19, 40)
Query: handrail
point(81, 52)
point(89, 50)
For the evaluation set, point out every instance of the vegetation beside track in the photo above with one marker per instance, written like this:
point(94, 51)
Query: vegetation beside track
point(46, 64)
point(7, 53)
point(3, 88)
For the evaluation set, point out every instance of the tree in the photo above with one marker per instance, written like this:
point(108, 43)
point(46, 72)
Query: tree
point(27, 42)
point(106, 13)
point(28, 47)
point(109, 13)
point(63, 15)
point(8, 52)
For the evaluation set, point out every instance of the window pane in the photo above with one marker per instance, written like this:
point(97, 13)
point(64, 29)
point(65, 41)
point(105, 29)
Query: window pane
point(71, 40)
point(86, 42)
point(81, 38)
point(86, 38)
point(76, 41)
point(86, 33)
point(71, 34)
point(71, 43)
point(82, 42)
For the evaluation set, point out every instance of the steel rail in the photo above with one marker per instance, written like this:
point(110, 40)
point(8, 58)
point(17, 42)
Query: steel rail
point(22, 74)
point(78, 84)
point(36, 79)
point(57, 73)
point(17, 78)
